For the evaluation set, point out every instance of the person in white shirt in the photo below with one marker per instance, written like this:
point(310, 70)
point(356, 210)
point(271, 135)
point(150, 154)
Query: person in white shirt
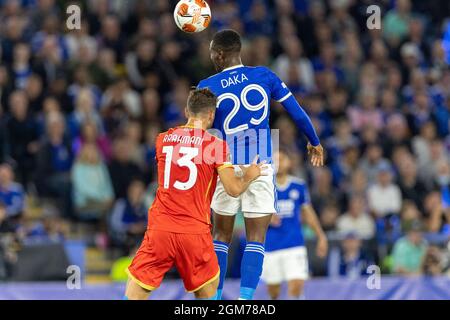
point(384, 196)
point(356, 220)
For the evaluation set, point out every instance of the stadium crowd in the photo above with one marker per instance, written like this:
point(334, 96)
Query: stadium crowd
point(80, 110)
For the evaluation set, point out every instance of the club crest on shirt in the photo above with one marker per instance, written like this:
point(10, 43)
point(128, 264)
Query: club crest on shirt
point(293, 194)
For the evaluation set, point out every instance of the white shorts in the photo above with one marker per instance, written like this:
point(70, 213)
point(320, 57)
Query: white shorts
point(285, 265)
point(257, 201)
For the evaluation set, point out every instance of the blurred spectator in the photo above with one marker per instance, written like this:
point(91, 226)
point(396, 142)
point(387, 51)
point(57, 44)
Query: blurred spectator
point(6, 225)
point(410, 184)
point(12, 194)
point(50, 229)
point(323, 191)
point(395, 22)
point(356, 220)
point(129, 217)
point(258, 20)
point(8, 240)
point(350, 260)
point(384, 196)
point(84, 111)
point(409, 250)
point(121, 96)
point(371, 162)
point(433, 262)
point(328, 217)
point(92, 189)
point(54, 162)
point(21, 67)
point(344, 167)
point(367, 113)
point(89, 135)
point(121, 168)
point(293, 68)
point(141, 62)
point(22, 136)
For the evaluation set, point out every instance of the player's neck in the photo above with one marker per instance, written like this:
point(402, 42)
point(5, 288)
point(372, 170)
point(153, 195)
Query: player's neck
point(282, 179)
point(196, 123)
point(232, 63)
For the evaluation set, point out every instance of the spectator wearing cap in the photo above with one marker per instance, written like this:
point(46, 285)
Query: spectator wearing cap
point(356, 220)
point(350, 260)
point(384, 196)
point(12, 194)
point(408, 251)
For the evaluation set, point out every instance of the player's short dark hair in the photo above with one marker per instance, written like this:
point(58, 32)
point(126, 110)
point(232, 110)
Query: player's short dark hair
point(227, 40)
point(201, 100)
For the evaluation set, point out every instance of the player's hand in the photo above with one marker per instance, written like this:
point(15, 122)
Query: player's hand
point(255, 170)
point(322, 247)
point(316, 153)
point(275, 221)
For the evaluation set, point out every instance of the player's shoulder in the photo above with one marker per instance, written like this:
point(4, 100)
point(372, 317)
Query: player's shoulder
point(264, 70)
point(296, 182)
point(161, 136)
point(213, 136)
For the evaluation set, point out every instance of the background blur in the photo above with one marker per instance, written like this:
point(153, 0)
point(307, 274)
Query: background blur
point(80, 110)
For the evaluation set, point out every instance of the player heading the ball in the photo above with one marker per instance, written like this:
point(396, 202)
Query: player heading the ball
point(242, 116)
point(189, 160)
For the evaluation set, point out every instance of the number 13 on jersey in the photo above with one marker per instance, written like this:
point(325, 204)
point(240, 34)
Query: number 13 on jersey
point(185, 161)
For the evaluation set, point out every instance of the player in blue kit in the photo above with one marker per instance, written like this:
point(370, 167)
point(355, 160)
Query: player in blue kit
point(242, 119)
point(286, 257)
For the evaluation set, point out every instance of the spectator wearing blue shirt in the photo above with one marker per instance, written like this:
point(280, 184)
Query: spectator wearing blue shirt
point(350, 260)
point(128, 219)
point(258, 21)
point(55, 159)
point(11, 193)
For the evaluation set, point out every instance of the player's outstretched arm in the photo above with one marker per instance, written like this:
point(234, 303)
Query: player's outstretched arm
point(235, 185)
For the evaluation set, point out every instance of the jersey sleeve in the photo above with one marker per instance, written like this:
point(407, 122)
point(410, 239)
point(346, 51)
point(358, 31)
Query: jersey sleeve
point(282, 94)
point(202, 84)
point(304, 195)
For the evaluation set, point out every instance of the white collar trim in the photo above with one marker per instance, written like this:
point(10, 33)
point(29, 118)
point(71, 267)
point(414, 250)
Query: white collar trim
point(233, 67)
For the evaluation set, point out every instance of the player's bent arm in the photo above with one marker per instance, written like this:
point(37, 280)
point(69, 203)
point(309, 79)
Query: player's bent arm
point(234, 185)
point(310, 218)
point(302, 120)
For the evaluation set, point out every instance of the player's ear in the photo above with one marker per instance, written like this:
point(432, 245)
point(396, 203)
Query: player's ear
point(186, 112)
point(212, 114)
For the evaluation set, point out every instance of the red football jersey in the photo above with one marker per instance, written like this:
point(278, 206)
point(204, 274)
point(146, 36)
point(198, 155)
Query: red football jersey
point(188, 160)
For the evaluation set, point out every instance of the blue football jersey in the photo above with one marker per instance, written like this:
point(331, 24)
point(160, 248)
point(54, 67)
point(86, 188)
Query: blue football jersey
point(243, 109)
point(291, 198)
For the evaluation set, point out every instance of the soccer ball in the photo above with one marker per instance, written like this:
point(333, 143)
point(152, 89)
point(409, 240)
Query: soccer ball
point(192, 15)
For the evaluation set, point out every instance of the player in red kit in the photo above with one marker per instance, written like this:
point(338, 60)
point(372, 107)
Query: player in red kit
point(189, 160)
